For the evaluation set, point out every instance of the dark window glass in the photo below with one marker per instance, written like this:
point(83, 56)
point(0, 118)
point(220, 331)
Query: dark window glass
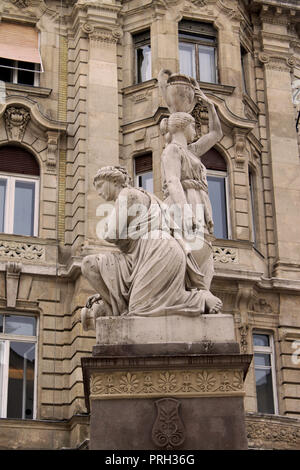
point(142, 47)
point(6, 70)
point(261, 340)
point(3, 183)
point(264, 391)
point(145, 181)
point(24, 208)
point(217, 195)
point(20, 325)
point(1, 323)
point(24, 77)
point(143, 58)
point(21, 380)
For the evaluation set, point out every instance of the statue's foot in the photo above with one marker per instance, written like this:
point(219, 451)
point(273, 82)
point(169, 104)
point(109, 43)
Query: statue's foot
point(92, 299)
point(213, 304)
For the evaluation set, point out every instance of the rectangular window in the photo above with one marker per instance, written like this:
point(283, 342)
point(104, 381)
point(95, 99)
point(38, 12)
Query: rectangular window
point(18, 343)
point(19, 202)
point(142, 48)
point(252, 206)
point(198, 50)
point(143, 172)
point(23, 73)
point(264, 365)
point(217, 189)
point(244, 56)
point(3, 183)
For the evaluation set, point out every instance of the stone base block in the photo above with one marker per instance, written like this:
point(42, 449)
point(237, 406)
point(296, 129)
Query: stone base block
point(165, 329)
point(157, 402)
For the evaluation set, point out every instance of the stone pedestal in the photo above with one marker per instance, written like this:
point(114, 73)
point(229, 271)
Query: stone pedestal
point(182, 394)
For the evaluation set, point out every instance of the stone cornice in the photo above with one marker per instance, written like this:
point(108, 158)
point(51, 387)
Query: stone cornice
point(276, 11)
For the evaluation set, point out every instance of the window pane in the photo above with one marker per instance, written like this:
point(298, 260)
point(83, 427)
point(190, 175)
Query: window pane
point(6, 74)
point(145, 181)
point(143, 57)
point(2, 346)
point(217, 195)
point(24, 208)
point(2, 202)
point(187, 59)
point(261, 340)
point(20, 325)
point(207, 64)
point(1, 325)
point(264, 391)
point(24, 77)
point(21, 380)
point(262, 359)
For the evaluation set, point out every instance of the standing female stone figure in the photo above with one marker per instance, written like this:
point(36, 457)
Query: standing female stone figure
point(184, 175)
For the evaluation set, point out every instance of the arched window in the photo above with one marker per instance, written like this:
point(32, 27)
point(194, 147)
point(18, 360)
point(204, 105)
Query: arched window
point(19, 191)
point(218, 192)
point(143, 173)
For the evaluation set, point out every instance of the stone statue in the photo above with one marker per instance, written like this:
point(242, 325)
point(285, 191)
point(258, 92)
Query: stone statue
point(153, 272)
point(183, 173)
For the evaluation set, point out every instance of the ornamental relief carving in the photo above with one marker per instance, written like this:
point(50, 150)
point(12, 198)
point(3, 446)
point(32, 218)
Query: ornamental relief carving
point(168, 430)
point(16, 120)
point(166, 382)
point(225, 255)
point(19, 250)
point(105, 35)
point(279, 63)
point(277, 434)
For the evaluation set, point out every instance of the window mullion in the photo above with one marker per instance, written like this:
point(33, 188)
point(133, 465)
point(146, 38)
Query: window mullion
point(197, 62)
point(15, 72)
point(11, 204)
point(4, 381)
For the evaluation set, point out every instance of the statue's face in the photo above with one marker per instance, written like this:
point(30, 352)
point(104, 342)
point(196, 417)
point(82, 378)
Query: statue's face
point(190, 132)
point(106, 189)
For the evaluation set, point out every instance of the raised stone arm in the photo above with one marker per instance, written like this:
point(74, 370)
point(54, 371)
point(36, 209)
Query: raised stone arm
point(215, 133)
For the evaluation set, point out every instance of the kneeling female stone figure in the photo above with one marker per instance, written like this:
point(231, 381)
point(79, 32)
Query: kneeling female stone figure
point(153, 273)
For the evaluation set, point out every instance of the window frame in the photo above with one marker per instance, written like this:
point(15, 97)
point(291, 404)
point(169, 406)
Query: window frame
point(223, 174)
point(15, 68)
point(270, 350)
point(198, 38)
point(7, 339)
point(137, 44)
point(10, 201)
point(253, 206)
point(141, 173)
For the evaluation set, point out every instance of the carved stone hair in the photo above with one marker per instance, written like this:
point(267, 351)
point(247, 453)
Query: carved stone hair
point(176, 121)
point(114, 174)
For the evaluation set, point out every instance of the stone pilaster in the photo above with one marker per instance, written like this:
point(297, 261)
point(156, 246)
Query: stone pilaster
point(283, 149)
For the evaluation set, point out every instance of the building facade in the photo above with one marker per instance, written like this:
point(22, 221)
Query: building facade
point(79, 91)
